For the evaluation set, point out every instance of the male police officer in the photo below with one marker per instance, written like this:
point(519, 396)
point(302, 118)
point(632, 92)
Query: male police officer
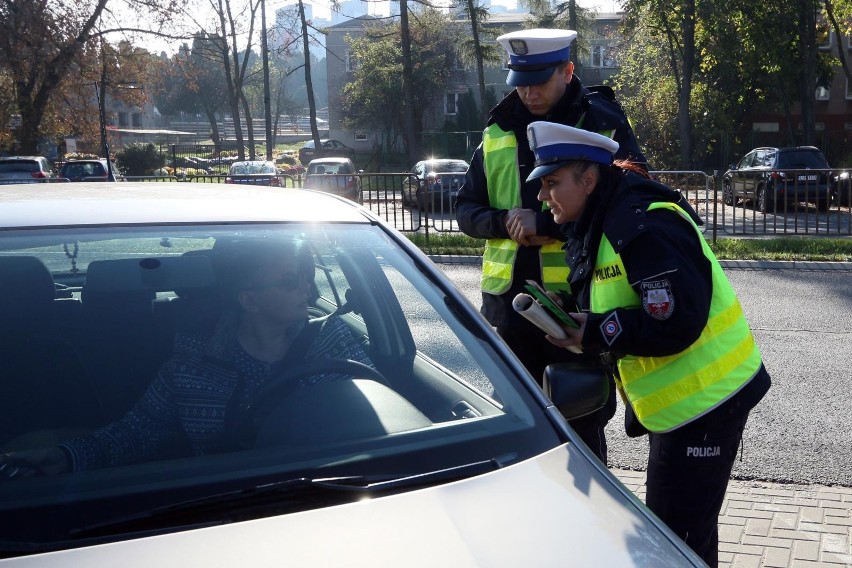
point(497, 204)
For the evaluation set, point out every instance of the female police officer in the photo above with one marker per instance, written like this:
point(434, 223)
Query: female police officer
point(656, 305)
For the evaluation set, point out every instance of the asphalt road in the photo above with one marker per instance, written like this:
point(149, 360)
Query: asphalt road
point(800, 432)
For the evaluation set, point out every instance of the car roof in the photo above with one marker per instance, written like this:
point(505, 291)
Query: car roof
point(93, 203)
point(445, 160)
point(785, 149)
point(7, 158)
point(253, 162)
point(329, 161)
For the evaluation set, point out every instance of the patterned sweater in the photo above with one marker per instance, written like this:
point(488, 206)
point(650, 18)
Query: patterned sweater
point(185, 410)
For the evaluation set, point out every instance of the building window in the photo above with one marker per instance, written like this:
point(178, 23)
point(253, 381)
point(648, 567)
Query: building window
point(451, 104)
point(137, 119)
point(603, 56)
point(360, 136)
point(848, 91)
point(825, 37)
point(122, 120)
point(765, 127)
point(351, 61)
point(822, 93)
point(597, 56)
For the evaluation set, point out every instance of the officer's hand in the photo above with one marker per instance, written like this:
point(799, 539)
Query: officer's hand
point(33, 463)
point(520, 223)
point(574, 337)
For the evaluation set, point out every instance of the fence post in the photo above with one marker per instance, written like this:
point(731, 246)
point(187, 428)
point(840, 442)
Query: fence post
point(716, 181)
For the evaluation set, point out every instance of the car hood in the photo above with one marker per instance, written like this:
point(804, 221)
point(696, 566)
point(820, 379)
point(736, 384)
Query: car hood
point(554, 510)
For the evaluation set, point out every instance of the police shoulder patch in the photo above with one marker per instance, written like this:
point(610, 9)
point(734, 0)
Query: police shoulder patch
point(657, 298)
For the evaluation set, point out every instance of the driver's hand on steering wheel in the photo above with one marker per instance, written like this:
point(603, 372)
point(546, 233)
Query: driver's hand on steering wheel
point(33, 463)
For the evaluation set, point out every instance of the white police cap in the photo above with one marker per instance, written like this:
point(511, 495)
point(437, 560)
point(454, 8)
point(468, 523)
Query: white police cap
point(554, 145)
point(533, 54)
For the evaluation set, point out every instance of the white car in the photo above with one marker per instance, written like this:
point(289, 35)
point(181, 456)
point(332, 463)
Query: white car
point(442, 452)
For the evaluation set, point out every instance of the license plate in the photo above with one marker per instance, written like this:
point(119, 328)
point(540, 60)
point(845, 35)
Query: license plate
point(808, 178)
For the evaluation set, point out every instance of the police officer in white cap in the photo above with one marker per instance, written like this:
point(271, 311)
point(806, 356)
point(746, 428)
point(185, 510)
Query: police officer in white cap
point(496, 202)
point(656, 307)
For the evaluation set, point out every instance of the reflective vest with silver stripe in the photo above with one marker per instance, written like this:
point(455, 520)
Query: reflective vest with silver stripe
point(500, 158)
point(667, 392)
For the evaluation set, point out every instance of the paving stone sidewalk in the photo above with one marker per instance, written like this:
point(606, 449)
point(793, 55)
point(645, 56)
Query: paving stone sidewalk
point(777, 525)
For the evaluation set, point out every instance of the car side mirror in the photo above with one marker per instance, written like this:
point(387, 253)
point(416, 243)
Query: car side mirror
point(576, 389)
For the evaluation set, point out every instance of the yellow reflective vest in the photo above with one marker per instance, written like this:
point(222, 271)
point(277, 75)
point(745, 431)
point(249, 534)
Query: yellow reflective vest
point(668, 392)
point(500, 159)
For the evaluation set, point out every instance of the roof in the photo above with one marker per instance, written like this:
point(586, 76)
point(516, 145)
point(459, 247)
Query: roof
point(329, 160)
point(98, 203)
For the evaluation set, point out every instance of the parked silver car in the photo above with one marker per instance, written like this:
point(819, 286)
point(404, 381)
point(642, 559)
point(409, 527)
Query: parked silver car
point(25, 169)
point(437, 448)
point(333, 175)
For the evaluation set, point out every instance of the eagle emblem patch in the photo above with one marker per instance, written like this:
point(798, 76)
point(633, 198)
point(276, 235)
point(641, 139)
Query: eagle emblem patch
point(657, 299)
point(519, 46)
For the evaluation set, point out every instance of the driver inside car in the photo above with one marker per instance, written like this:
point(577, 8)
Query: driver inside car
point(196, 398)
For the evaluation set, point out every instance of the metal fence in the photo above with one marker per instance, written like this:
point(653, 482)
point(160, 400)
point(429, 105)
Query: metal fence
point(388, 195)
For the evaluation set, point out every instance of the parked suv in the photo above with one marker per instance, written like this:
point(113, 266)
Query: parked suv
point(776, 178)
point(24, 169)
point(94, 169)
point(334, 175)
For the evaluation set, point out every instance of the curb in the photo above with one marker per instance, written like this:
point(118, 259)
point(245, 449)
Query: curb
point(730, 264)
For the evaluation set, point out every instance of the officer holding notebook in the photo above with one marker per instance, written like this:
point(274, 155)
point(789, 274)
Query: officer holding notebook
point(654, 300)
point(496, 203)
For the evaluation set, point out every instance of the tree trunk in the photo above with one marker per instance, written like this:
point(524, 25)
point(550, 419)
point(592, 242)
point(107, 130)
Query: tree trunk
point(249, 126)
point(477, 50)
point(309, 84)
point(807, 82)
point(684, 118)
point(409, 129)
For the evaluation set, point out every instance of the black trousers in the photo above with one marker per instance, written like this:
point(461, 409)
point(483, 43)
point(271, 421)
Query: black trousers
point(688, 473)
point(536, 353)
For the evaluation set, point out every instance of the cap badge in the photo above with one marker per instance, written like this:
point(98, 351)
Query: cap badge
point(531, 137)
point(519, 46)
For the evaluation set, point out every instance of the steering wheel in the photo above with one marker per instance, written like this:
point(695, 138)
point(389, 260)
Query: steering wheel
point(273, 395)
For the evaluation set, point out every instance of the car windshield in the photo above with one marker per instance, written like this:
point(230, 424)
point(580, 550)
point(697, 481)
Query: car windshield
point(801, 159)
point(447, 166)
point(120, 348)
point(253, 168)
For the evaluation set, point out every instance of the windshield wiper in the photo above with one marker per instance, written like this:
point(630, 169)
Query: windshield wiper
point(279, 497)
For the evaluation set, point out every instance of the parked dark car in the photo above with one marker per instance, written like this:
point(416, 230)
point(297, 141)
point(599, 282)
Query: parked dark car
point(333, 175)
point(330, 148)
point(25, 169)
point(774, 179)
point(87, 170)
point(254, 172)
point(434, 184)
